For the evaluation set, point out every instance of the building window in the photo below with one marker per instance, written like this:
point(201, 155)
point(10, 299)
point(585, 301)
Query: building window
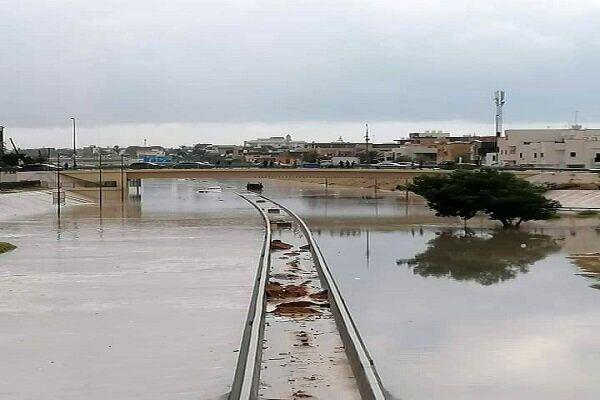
point(534, 155)
point(541, 155)
point(597, 158)
point(573, 154)
point(520, 155)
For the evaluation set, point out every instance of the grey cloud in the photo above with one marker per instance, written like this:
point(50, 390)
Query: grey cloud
point(112, 62)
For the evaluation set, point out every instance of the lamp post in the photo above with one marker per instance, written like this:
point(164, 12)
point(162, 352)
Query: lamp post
point(58, 182)
point(100, 177)
point(74, 144)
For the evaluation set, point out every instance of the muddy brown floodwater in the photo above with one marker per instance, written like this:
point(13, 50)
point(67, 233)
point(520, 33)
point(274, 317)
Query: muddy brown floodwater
point(447, 315)
point(145, 303)
point(148, 302)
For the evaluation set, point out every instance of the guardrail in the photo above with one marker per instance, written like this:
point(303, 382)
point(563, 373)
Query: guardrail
point(368, 380)
point(247, 371)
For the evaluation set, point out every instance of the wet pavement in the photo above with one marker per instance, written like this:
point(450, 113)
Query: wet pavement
point(146, 303)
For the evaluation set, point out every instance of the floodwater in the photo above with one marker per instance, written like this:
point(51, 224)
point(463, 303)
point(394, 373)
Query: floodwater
point(148, 302)
point(449, 314)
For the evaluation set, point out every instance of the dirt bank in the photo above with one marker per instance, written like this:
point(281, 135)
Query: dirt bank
point(25, 203)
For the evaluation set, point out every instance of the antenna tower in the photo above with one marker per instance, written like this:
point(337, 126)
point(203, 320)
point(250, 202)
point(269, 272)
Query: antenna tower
point(367, 139)
point(499, 99)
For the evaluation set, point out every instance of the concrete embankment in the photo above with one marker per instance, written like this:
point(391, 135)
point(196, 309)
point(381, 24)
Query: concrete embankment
point(300, 341)
point(27, 203)
point(576, 199)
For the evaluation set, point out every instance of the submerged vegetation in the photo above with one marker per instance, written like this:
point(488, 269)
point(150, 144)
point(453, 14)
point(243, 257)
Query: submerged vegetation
point(4, 247)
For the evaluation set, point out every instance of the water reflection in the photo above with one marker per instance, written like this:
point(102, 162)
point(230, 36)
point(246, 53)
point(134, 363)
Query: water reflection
point(483, 258)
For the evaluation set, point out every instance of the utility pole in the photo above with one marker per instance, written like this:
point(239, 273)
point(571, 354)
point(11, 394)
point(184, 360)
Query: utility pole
point(58, 182)
point(1, 140)
point(100, 177)
point(123, 183)
point(367, 138)
point(74, 144)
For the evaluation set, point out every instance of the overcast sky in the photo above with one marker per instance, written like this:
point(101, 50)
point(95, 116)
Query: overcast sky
point(182, 72)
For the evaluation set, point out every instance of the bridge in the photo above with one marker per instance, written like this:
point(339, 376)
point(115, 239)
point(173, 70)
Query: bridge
point(115, 182)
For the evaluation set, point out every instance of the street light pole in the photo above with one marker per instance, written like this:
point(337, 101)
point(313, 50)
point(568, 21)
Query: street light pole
point(100, 177)
point(122, 179)
point(58, 182)
point(74, 144)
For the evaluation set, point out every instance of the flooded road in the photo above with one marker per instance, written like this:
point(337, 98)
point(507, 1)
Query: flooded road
point(146, 303)
point(449, 315)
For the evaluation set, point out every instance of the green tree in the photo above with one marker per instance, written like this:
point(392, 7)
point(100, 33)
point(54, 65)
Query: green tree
point(500, 195)
point(450, 195)
point(512, 200)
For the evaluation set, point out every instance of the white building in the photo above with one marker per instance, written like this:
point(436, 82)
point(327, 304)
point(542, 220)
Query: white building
point(276, 142)
point(551, 148)
point(429, 134)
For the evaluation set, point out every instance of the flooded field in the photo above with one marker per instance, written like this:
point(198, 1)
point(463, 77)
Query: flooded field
point(148, 301)
point(454, 315)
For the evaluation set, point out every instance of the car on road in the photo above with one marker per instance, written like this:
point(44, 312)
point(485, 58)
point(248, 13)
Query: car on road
point(40, 167)
point(10, 168)
point(311, 165)
point(193, 165)
point(144, 165)
point(395, 165)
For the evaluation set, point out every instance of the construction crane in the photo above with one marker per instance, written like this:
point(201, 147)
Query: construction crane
point(15, 147)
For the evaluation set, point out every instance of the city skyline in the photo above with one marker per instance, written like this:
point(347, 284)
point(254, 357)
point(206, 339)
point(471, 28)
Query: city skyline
point(175, 135)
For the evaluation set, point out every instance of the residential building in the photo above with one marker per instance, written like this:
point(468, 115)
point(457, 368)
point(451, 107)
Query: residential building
point(139, 152)
point(416, 152)
point(425, 136)
point(437, 146)
point(575, 147)
point(461, 151)
point(337, 149)
point(276, 142)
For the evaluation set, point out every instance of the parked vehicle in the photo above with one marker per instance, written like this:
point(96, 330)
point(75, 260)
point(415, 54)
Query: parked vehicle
point(10, 168)
point(311, 165)
point(391, 164)
point(467, 166)
point(254, 187)
point(193, 165)
point(211, 189)
point(455, 165)
point(144, 165)
point(446, 164)
point(40, 167)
